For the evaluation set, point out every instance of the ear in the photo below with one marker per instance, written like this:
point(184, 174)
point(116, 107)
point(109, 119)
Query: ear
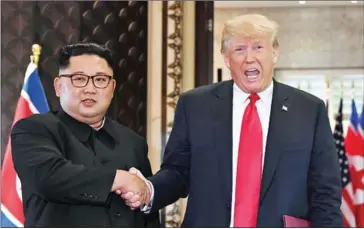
point(113, 86)
point(275, 55)
point(226, 59)
point(57, 86)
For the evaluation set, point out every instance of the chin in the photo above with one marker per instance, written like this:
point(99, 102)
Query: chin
point(88, 113)
point(253, 87)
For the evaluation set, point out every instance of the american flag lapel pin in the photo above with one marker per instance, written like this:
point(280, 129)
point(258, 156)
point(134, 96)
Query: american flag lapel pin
point(284, 108)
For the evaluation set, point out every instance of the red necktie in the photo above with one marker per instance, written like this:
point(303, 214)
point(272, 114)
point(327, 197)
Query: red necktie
point(249, 168)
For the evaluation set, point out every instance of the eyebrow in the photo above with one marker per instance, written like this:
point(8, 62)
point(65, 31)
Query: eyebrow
point(97, 73)
point(101, 73)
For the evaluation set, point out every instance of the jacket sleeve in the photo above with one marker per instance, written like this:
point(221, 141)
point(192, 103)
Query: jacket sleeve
point(41, 165)
point(152, 219)
point(172, 180)
point(324, 181)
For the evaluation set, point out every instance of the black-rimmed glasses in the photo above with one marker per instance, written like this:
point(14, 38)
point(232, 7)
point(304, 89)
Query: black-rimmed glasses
point(81, 80)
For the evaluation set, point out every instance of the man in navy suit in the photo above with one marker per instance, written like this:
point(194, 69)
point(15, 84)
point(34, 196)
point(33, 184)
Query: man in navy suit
point(249, 150)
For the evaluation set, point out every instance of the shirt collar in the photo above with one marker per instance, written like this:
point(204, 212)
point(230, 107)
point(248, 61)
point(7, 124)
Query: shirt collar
point(102, 124)
point(241, 96)
point(82, 130)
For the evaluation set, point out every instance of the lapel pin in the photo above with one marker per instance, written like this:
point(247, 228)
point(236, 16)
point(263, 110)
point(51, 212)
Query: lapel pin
point(284, 108)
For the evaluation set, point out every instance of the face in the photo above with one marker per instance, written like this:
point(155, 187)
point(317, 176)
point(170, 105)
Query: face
point(251, 61)
point(89, 103)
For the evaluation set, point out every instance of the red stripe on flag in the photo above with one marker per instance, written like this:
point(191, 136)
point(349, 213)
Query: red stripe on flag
point(9, 195)
point(349, 200)
point(353, 142)
point(360, 215)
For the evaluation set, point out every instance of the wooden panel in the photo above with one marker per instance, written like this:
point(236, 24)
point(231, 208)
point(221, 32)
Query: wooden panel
point(204, 32)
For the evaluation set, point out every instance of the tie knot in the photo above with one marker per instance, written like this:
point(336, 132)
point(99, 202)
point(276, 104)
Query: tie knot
point(253, 98)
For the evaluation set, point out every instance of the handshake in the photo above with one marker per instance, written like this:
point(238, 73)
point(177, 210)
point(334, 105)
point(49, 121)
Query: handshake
point(132, 187)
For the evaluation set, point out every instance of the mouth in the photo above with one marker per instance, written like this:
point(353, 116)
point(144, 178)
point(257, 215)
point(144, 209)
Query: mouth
point(252, 74)
point(88, 102)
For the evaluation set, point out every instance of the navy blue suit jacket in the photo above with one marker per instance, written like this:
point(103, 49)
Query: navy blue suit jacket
point(301, 174)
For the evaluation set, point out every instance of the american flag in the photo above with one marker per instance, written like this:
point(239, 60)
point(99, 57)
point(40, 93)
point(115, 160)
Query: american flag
point(347, 207)
point(354, 146)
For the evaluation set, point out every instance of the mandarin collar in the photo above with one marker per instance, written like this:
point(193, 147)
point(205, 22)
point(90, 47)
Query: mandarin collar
point(82, 130)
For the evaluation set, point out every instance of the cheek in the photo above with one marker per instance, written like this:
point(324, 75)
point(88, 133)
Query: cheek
point(105, 95)
point(237, 61)
point(265, 60)
point(72, 94)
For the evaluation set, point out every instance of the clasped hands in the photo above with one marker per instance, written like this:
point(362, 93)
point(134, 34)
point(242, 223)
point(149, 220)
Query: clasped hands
point(132, 187)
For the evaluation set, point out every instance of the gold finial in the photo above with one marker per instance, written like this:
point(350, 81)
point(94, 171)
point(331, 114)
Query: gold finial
point(352, 89)
point(36, 49)
point(341, 88)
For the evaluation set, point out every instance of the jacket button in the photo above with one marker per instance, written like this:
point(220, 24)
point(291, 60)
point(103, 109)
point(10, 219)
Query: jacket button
point(117, 214)
point(104, 161)
point(229, 206)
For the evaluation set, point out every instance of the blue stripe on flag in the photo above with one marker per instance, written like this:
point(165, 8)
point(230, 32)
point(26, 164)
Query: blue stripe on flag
point(361, 121)
point(35, 90)
point(354, 118)
point(5, 222)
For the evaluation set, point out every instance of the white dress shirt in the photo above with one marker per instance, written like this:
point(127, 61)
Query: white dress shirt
point(240, 102)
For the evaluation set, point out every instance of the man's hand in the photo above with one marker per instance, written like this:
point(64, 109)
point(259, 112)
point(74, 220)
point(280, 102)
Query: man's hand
point(132, 188)
point(132, 199)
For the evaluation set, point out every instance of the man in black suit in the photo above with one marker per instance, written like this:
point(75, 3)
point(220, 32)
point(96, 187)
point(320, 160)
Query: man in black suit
point(250, 150)
point(71, 163)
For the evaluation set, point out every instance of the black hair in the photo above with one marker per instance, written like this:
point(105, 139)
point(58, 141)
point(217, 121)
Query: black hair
point(67, 51)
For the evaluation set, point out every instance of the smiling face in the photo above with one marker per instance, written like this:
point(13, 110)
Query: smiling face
point(87, 104)
point(251, 62)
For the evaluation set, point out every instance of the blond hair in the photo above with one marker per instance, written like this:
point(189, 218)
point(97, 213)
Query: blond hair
point(249, 25)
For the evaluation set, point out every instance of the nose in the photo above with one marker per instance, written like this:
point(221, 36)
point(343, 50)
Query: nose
point(249, 56)
point(90, 87)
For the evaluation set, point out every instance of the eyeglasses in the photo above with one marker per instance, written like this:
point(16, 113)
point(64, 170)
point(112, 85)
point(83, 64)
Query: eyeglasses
point(81, 80)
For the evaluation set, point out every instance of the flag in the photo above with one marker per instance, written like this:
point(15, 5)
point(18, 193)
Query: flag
point(353, 141)
point(359, 174)
point(347, 207)
point(32, 100)
point(354, 145)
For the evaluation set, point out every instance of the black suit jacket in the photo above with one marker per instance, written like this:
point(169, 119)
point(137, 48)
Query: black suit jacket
point(66, 175)
point(301, 174)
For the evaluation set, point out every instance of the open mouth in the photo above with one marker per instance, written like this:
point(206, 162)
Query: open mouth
point(252, 73)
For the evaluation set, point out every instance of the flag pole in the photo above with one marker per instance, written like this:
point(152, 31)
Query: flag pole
point(36, 50)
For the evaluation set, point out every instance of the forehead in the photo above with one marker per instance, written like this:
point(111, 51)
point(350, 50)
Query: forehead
point(89, 64)
point(251, 39)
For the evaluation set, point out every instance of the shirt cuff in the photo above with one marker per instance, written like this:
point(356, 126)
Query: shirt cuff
point(147, 207)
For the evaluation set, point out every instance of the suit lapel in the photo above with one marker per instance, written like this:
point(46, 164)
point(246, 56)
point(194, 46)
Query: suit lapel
point(275, 136)
point(221, 111)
